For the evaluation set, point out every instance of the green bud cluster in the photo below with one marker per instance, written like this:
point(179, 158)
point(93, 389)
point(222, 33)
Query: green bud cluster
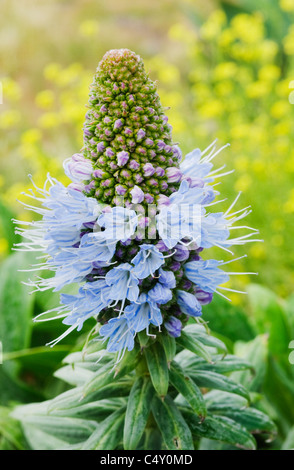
point(126, 133)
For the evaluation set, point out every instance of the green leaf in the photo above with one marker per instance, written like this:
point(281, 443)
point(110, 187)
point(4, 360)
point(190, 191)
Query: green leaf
point(67, 429)
point(235, 407)
point(212, 380)
point(187, 341)
point(199, 332)
point(137, 413)
point(109, 372)
point(108, 434)
point(16, 305)
point(158, 368)
point(228, 320)
point(256, 353)
point(186, 387)
point(220, 364)
point(221, 429)
point(169, 346)
point(174, 429)
point(270, 318)
point(288, 444)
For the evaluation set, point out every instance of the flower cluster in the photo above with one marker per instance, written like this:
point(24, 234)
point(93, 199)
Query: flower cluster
point(131, 227)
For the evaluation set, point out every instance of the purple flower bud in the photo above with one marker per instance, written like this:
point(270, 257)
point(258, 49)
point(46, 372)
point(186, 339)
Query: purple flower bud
point(107, 119)
point(148, 169)
point(203, 297)
point(134, 165)
point(173, 326)
point(78, 168)
point(177, 152)
point(113, 166)
point(159, 171)
point(122, 158)
point(186, 285)
point(149, 142)
point(90, 186)
point(182, 253)
point(103, 109)
point(100, 147)
point(160, 145)
point(128, 131)
point(148, 198)
point(175, 266)
point(98, 173)
point(109, 153)
point(163, 200)
point(87, 132)
point(161, 246)
point(137, 195)
point(163, 185)
point(138, 178)
point(174, 174)
point(151, 153)
point(141, 134)
point(107, 132)
point(118, 123)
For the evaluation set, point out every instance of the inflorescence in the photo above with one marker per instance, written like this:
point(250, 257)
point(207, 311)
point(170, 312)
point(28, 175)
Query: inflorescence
point(130, 228)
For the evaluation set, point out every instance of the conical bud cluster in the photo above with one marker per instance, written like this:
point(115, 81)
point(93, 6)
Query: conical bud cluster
point(127, 135)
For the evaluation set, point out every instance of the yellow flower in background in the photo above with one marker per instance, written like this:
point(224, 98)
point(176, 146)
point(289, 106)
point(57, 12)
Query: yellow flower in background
point(89, 28)
point(287, 5)
point(45, 99)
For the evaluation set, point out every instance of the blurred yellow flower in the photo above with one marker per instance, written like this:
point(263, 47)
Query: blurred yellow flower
point(9, 118)
point(89, 28)
point(287, 5)
point(45, 99)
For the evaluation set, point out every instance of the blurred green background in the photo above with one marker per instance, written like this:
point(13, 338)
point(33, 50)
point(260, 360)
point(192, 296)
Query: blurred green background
point(226, 71)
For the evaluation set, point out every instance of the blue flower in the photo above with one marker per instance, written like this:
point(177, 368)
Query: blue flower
point(167, 279)
point(206, 274)
point(160, 294)
point(120, 336)
point(178, 221)
point(188, 303)
point(124, 285)
point(147, 261)
point(143, 312)
point(119, 223)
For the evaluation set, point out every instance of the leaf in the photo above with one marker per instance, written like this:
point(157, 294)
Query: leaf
point(67, 429)
point(74, 375)
point(186, 387)
point(158, 368)
point(169, 346)
point(173, 428)
point(187, 341)
point(108, 434)
point(221, 429)
point(221, 364)
point(212, 380)
point(137, 413)
point(207, 339)
point(228, 320)
point(16, 305)
point(256, 353)
point(235, 407)
point(288, 444)
point(270, 318)
point(109, 372)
